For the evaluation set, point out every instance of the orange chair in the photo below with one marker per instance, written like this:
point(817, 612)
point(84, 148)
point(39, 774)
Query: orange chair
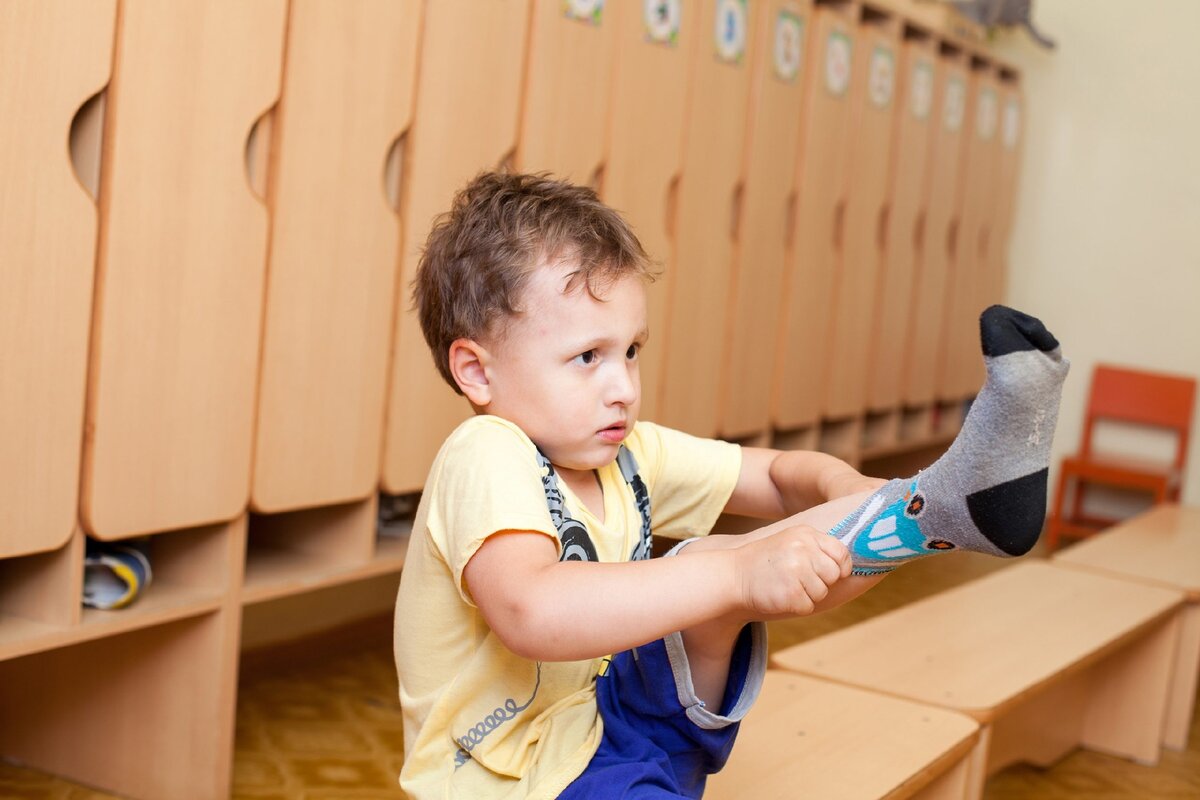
point(1129, 396)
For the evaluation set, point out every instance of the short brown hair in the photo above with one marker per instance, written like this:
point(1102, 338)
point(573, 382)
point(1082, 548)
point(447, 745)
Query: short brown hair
point(500, 228)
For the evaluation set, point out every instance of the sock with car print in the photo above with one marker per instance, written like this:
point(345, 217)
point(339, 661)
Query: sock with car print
point(987, 493)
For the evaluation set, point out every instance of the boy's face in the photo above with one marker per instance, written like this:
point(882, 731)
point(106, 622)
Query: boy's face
point(566, 369)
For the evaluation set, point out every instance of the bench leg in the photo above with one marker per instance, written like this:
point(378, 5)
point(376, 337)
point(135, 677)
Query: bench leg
point(1182, 700)
point(977, 763)
point(1042, 728)
point(950, 785)
point(1128, 699)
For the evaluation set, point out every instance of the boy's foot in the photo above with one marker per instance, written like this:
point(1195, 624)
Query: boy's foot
point(988, 492)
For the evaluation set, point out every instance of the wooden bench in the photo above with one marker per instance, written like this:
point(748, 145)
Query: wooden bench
point(1160, 547)
point(1045, 658)
point(811, 738)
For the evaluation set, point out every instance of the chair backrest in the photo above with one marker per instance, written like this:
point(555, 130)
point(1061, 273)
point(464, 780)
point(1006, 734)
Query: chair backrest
point(1135, 396)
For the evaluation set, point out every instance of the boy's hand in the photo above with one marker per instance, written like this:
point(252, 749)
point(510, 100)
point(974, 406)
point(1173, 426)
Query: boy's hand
point(789, 572)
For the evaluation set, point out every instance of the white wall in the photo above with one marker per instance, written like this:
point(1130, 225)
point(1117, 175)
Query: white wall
point(1106, 243)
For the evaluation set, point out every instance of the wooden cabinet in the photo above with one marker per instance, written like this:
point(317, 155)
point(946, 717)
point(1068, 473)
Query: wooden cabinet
point(462, 124)
point(928, 334)
point(765, 221)
point(710, 190)
point(180, 267)
point(568, 75)
point(821, 181)
point(902, 281)
point(47, 252)
point(872, 98)
point(645, 137)
point(331, 275)
point(969, 285)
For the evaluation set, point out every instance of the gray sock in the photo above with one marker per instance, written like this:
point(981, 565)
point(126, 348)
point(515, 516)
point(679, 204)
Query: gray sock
point(987, 493)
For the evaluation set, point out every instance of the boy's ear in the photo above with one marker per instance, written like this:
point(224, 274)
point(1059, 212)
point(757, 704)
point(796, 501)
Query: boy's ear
point(468, 365)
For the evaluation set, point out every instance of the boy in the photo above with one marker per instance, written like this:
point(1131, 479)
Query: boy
point(528, 564)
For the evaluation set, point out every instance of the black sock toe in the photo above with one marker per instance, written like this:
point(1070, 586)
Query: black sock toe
point(1004, 330)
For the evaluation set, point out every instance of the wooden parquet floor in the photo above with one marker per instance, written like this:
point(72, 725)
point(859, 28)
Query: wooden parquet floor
point(327, 727)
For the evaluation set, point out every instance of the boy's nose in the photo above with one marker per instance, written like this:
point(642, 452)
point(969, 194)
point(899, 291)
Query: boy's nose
point(623, 386)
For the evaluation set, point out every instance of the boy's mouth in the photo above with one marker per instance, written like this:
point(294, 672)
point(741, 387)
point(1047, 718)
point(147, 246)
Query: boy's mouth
point(614, 433)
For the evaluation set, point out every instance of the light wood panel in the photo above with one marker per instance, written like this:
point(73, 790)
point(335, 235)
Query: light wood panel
point(808, 737)
point(963, 368)
point(568, 74)
point(1009, 135)
point(709, 196)
point(926, 338)
point(180, 268)
point(47, 257)
point(645, 139)
point(855, 286)
point(1160, 547)
point(901, 282)
point(348, 94)
point(465, 121)
point(821, 194)
point(765, 221)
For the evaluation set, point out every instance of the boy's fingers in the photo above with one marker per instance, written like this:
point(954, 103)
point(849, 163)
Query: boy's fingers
point(838, 552)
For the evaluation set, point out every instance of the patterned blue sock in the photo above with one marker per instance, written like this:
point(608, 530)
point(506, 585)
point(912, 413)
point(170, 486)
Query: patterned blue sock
point(988, 492)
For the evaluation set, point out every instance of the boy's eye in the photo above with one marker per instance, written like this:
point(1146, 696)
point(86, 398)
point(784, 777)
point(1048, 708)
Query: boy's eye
point(632, 352)
point(587, 357)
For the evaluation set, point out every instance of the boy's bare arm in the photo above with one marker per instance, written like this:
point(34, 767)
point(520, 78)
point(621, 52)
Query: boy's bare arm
point(774, 484)
point(549, 610)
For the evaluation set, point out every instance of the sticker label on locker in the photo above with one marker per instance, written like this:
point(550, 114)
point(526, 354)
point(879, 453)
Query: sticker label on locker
point(1012, 123)
point(837, 63)
point(789, 45)
point(985, 119)
point(729, 34)
point(662, 18)
point(881, 81)
point(956, 105)
point(587, 10)
point(922, 89)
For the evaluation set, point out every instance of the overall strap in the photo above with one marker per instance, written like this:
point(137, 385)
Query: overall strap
point(576, 542)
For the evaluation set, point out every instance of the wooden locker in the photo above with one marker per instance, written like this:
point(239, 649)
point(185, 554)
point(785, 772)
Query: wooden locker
point(901, 282)
point(857, 268)
point(568, 74)
point(926, 336)
point(54, 55)
point(709, 194)
point(1008, 163)
point(765, 219)
point(347, 95)
point(645, 137)
point(180, 267)
point(820, 209)
point(964, 364)
point(465, 121)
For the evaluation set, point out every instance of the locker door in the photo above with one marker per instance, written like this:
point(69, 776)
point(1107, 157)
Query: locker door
point(645, 137)
point(348, 93)
point(53, 57)
point(708, 195)
point(568, 75)
point(964, 366)
point(926, 346)
point(820, 200)
point(465, 121)
point(180, 266)
point(765, 219)
point(901, 282)
point(1008, 162)
point(856, 280)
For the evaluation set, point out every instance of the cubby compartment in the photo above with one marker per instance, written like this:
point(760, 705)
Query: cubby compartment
point(39, 598)
point(147, 713)
point(309, 549)
point(841, 437)
point(193, 572)
point(393, 527)
point(881, 430)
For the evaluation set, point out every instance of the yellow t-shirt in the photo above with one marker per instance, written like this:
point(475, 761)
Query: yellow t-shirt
point(479, 721)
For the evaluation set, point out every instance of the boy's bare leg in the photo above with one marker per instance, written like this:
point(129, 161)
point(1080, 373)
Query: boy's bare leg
point(709, 646)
